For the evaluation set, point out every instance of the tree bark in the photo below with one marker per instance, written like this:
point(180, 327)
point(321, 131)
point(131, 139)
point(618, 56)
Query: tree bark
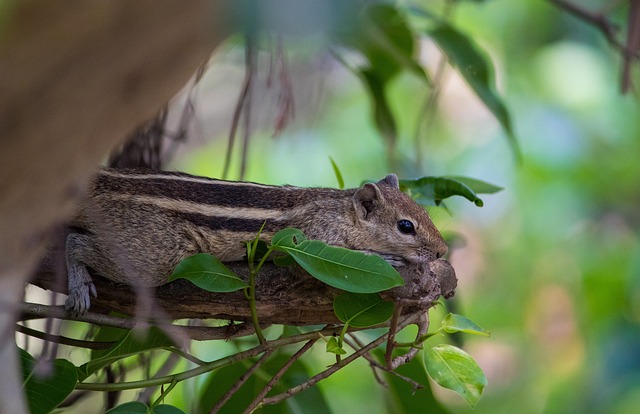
point(75, 78)
point(284, 295)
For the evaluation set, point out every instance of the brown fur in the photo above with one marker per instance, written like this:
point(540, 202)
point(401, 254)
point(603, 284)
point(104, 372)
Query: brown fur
point(136, 226)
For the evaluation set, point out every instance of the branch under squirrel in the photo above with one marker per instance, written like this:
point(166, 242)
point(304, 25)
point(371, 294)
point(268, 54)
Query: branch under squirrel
point(284, 295)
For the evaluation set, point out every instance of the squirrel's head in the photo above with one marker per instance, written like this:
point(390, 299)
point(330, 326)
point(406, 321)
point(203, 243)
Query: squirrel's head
point(392, 225)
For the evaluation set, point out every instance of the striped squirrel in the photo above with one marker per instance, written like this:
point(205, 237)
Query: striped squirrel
point(141, 224)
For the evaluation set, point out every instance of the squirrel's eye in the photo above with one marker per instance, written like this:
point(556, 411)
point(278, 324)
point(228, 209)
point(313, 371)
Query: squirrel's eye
point(406, 227)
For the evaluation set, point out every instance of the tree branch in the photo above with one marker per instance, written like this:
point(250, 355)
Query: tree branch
point(599, 20)
point(198, 333)
point(284, 295)
point(630, 50)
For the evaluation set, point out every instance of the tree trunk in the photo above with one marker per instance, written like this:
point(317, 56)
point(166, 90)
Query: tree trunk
point(75, 78)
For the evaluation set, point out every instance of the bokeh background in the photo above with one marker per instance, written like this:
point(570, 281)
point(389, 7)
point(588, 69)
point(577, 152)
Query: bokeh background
point(550, 265)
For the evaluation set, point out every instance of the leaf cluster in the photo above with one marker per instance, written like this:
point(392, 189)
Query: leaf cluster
point(387, 36)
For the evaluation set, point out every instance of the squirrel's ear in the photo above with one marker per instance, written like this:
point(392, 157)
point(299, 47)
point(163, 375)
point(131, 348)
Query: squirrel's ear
point(390, 180)
point(366, 198)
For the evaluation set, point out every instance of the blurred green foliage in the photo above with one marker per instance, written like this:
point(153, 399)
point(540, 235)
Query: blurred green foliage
point(551, 265)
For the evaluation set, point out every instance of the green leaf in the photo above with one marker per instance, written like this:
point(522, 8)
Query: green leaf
point(136, 407)
point(433, 190)
point(107, 334)
point(288, 237)
point(382, 114)
point(362, 310)
point(456, 370)
point(134, 342)
point(476, 68)
point(334, 347)
point(132, 407)
point(384, 38)
point(283, 260)
point(400, 397)
point(219, 382)
point(45, 393)
point(338, 174)
point(261, 249)
point(208, 273)
point(453, 323)
point(479, 186)
point(166, 409)
point(389, 42)
point(341, 268)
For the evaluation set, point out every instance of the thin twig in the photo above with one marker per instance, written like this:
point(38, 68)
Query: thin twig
point(111, 398)
point(629, 51)
point(335, 367)
point(375, 364)
point(248, 77)
point(243, 378)
point(72, 399)
point(185, 355)
point(423, 327)
point(198, 333)
point(167, 366)
point(608, 29)
point(229, 360)
point(250, 62)
point(226, 361)
point(355, 344)
point(286, 104)
point(632, 45)
point(279, 375)
point(45, 336)
point(393, 328)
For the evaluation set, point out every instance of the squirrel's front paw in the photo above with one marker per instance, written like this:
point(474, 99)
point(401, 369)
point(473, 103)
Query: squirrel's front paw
point(79, 300)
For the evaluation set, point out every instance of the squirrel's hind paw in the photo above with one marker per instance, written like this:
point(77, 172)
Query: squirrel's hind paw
point(79, 300)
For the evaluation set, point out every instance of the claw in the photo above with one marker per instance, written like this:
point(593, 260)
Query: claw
point(79, 300)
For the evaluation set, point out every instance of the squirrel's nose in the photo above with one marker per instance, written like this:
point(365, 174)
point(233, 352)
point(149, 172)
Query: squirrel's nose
point(441, 251)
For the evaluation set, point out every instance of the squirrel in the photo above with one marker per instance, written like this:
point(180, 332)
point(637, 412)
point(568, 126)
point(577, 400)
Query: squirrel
point(140, 224)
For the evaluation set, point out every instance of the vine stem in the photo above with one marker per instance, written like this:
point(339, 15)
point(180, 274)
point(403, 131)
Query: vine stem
point(251, 290)
point(253, 309)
